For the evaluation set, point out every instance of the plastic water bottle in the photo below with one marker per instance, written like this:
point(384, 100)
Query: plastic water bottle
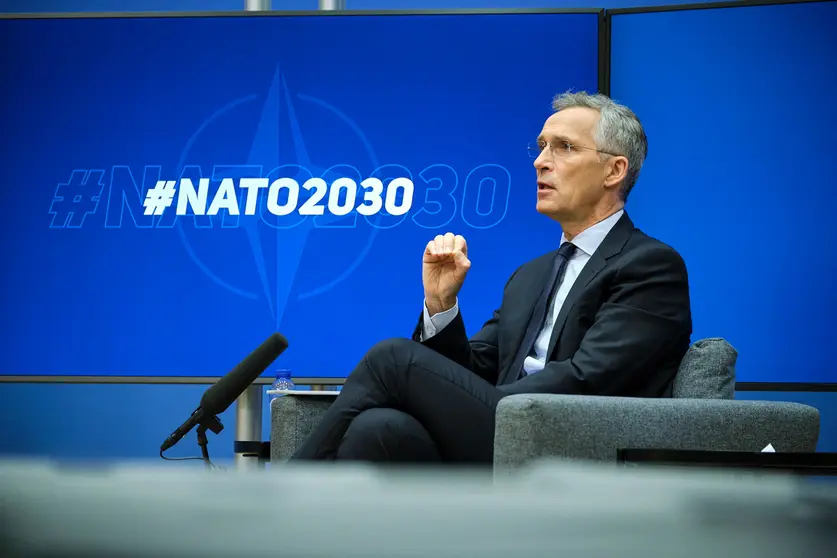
point(283, 381)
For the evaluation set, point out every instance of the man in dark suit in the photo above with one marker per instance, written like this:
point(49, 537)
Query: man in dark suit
point(607, 313)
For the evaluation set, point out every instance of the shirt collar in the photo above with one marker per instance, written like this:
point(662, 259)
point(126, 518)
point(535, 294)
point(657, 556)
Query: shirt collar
point(589, 240)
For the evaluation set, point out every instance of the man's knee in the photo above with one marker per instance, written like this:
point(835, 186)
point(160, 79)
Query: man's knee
point(388, 356)
point(383, 434)
point(397, 349)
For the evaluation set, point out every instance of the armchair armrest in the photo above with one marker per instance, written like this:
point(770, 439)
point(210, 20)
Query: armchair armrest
point(532, 426)
point(292, 417)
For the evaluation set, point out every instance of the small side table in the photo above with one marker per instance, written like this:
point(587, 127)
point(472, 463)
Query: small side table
point(807, 464)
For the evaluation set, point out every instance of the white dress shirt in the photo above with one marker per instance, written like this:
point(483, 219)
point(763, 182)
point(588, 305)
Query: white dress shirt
point(586, 243)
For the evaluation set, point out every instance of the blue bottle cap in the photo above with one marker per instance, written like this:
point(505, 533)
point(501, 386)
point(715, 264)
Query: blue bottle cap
point(282, 373)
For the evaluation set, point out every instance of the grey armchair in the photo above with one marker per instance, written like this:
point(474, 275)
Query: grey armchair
point(701, 415)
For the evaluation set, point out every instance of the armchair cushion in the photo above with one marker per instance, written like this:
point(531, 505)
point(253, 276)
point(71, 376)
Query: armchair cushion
point(292, 418)
point(707, 371)
point(532, 426)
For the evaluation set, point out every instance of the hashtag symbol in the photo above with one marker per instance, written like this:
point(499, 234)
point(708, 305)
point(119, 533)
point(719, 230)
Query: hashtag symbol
point(76, 199)
point(159, 197)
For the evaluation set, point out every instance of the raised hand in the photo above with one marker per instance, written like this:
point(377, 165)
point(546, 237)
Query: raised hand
point(444, 266)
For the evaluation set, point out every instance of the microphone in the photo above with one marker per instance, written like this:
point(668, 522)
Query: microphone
point(220, 396)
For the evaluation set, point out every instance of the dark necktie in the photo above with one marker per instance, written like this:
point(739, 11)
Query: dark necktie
point(559, 265)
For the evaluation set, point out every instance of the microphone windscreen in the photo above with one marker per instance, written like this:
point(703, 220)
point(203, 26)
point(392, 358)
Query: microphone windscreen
point(217, 398)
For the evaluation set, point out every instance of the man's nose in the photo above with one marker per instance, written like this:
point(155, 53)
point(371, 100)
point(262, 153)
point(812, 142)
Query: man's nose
point(541, 162)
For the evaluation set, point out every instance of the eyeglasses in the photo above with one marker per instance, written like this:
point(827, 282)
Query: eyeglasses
point(560, 149)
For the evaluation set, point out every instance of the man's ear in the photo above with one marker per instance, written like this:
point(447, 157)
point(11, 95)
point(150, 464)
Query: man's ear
point(616, 169)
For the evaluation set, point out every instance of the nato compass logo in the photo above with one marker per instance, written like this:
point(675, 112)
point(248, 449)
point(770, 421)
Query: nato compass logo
point(268, 209)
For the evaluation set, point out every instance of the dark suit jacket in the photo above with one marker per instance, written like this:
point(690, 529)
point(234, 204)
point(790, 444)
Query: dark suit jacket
point(622, 330)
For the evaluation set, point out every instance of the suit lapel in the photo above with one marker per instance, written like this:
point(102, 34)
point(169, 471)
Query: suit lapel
point(520, 321)
point(610, 246)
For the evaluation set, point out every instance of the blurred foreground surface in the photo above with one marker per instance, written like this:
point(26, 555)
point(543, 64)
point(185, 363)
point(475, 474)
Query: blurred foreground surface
point(552, 509)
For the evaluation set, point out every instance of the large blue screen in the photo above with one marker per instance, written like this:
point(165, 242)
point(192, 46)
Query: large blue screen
point(417, 124)
point(739, 178)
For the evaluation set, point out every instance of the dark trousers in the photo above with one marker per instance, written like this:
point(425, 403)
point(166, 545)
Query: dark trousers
point(405, 402)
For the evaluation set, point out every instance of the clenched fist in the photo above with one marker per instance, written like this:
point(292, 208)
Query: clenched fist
point(444, 267)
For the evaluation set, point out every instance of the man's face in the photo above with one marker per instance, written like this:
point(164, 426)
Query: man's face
point(570, 175)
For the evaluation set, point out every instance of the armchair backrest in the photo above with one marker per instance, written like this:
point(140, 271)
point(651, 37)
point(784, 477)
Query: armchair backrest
point(707, 371)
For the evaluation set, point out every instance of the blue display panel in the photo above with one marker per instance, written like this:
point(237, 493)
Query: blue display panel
point(421, 119)
point(739, 175)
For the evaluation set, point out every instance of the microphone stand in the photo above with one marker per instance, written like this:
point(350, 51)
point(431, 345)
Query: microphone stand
point(202, 442)
point(211, 423)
